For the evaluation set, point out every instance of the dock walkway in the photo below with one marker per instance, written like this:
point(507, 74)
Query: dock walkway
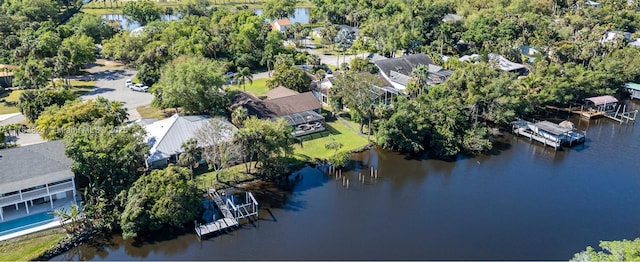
point(226, 222)
point(231, 213)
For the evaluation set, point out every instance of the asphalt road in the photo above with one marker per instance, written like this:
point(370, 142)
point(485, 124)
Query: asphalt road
point(110, 85)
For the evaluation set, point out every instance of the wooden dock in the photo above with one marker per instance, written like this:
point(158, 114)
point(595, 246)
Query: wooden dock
point(226, 222)
point(231, 213)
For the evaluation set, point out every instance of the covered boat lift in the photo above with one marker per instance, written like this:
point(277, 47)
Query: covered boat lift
point(633, 89)
point(548, 133)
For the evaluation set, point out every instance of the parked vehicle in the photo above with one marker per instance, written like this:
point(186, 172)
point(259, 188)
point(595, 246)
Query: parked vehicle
point(128, 83)
point(139, 88)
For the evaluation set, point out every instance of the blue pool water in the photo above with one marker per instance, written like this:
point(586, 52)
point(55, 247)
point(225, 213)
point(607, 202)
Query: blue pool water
point(27, 222)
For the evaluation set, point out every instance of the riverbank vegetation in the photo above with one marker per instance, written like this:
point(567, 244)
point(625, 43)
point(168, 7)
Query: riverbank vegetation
point(185, 62)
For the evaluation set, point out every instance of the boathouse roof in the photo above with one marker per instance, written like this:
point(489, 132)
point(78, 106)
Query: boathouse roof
point(552, 128)
point(601, 100)
point(633, 86)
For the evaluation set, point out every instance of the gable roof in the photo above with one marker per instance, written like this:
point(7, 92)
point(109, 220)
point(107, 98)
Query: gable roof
point(165, 137)
point(293, 104)
point(403, 64)
point(601, 100)
point(503, 63)
point(279, 92)
point(33, 165)
point(283, 22)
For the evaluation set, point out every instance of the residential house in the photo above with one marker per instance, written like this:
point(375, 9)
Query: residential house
point(613, 36)
point(501, 63)
point(33, 177)
point(382, 90)
point(281, 25)
point(452, 18)
point(593, 4)
point(165, 137)
point(301, 110)
point(6, 75)
point(397, 71)
point(529, 52)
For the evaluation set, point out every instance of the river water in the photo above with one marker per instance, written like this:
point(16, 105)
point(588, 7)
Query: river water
point(523, 202)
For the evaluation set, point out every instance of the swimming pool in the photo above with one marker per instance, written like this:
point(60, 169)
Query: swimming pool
point(27, 222)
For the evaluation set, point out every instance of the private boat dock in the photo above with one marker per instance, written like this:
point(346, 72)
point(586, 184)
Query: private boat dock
point(231, 212)
point(548, 133)
point(602, 106)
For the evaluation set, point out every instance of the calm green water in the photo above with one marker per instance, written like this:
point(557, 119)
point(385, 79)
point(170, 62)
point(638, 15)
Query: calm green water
point(523, 202)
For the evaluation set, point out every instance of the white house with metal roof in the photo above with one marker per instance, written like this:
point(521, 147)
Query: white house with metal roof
point(34, 175)
point(165, 137)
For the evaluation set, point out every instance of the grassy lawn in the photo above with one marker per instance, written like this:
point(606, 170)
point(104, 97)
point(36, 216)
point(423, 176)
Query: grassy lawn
point(30, 247)
point(313, 145)
point(258, 88)
point(147, 111)
point(230, 176)
point(9, 101)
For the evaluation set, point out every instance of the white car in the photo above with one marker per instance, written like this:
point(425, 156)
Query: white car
point(128, 83)
point(139, 88)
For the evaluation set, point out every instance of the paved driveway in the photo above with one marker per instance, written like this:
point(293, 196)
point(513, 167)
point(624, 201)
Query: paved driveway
point(110, 85)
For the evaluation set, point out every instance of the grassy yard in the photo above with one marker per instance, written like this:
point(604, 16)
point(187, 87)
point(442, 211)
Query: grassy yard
point(147, 111)
point(345, 132)
point(9, 101)
point(258, 88)
point(30, 247)
point(230, 176)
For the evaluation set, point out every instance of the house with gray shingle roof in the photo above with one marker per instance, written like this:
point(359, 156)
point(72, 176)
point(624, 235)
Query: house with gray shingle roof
point(35, 175)
point(397, 71)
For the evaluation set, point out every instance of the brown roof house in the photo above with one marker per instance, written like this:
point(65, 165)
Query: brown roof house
point(301, 110)
point(281, 25)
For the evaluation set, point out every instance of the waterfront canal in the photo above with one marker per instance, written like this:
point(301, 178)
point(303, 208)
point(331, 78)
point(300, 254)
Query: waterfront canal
point(523, 202)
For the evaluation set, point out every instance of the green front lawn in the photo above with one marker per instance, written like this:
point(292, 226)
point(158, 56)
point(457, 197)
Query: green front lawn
point(30, 247)
point(9, 101)
point(313, 146)
point(147, 111)
point(206, 177)
point(257, 88)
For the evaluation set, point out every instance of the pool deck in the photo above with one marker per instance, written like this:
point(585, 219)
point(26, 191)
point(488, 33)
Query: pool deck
point(35, 209)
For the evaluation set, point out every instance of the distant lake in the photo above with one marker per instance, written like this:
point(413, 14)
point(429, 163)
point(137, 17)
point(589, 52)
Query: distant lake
point(128, 25)
point(301, 15)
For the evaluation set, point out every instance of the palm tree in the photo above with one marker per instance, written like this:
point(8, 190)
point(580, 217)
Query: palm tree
point(191, 154)
point(420, 74)
point(244, 75)
point(344, 39)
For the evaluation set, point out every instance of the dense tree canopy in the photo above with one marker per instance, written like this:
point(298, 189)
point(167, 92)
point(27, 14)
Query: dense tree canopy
point(278, 9)
point(192, 83)
point(625, 250)
point(266, 142)
point(33, 102)
point(165, 197)
point(57, 121)
point(143, 11)
point(111, 160)
point(286, 74)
